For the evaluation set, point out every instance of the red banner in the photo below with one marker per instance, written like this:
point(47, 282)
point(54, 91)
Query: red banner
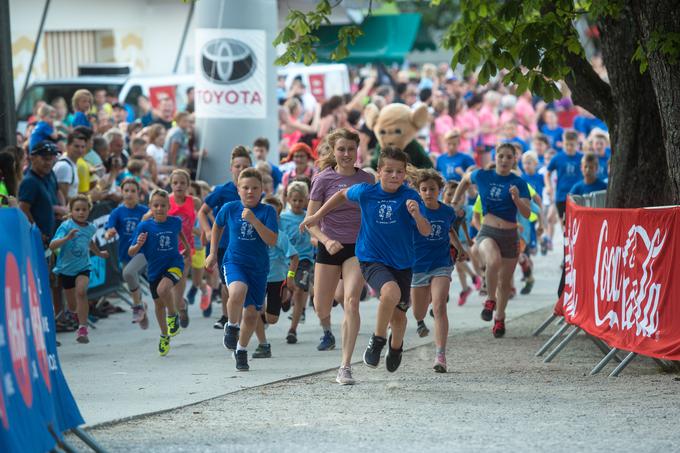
point(619, 284)
point(317, 87)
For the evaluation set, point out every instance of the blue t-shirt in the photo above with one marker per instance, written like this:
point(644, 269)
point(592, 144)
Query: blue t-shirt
point(586, 124)
point(246, 248)
point(80, 119)
point(220, 196)
point(161, 248)
point(524, 145)
point(279, 258)
point(125, 221)
point(387, 229)
point(277, 175)
point(41, 132)
point(568, 173)
point(446, 165)
point(554, 135)
point(41, 194)
point(536, 180)
point(581, 188)
point(290, 224)
point(494, 191)
point(432, 251)
point(74, 256)
point(603, 162)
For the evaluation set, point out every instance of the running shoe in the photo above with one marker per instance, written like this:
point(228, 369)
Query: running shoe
point(544, 245)
point(191, 295)
point(220, 323)
point(477, 281)
point(431, 313)
point(184, 318)
point(489, 307)
point(463, 296)
point(230, 337)
point(498, 328)
point(327, 342)
point(373, 350)
point(550, 245)
point(164, 345)
point(81, 335)
point(440, 362)
point(137, 313)
point(205, 298)
point(144, 322)
point(263, 351)
point(291, 338)
point(207, 312)
point(393, 356)
point(344, 376)
point(241, 360)
point(422, 329)
point(303, 316)
point(173, 324)
point(528, 286)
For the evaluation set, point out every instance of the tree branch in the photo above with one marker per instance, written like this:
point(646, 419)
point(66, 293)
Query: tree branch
point(588, 89)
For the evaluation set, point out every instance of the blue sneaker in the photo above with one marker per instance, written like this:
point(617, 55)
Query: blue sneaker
point(191, 295)
point(230, 337)
point(327, 342)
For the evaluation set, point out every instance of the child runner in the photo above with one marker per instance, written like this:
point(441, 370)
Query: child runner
point(453, 164)
point(301, 155)
point(73, 239)
point(158, 239)
point(124, 220)
point(503, 194)
point(390, 218)
point(280, 280)
point(198, 258)
point(183, 206)
point(433, 264)
point(297, 194)
point(337, 235)
point(222, 194)
point(549, 210)
point(591, 182)
point(252, 227)
point(567, 164)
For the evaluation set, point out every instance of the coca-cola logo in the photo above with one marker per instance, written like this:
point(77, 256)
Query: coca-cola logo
point(570, 296)
point(624, 277)
point(37, 327)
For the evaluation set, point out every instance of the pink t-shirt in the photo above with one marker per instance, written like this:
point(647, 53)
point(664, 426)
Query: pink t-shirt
point(488, 117)
point(442, 124)
point(342, 223)
point(468, 124)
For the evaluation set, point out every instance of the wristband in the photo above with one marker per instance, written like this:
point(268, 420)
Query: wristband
point(291, 274)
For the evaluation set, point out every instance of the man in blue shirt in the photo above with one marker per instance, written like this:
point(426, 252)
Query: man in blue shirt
point(453, 164)
point(591, 182)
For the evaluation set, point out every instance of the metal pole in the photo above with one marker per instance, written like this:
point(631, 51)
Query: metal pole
point(88, 440)
point(184, 36)
point(629, 358)
point(556, 336)
point(603, 347)
point(604, 362)
point(544, 325)
point(8, 120)
point(562, 344)
point(37, 45)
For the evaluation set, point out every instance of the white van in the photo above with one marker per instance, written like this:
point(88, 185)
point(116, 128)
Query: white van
point(323, 80)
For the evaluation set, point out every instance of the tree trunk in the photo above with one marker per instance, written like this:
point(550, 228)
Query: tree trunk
point(639, 170)
point(663, 16)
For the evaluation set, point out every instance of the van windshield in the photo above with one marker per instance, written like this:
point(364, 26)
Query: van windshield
point(49, 92)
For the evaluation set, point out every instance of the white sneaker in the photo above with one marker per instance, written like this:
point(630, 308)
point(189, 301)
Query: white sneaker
point(345, 376)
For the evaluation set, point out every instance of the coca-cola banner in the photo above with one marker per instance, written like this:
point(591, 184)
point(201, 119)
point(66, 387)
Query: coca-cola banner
point(622, 277)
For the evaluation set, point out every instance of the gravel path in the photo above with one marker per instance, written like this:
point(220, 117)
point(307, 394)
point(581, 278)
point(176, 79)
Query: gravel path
point(496, 397)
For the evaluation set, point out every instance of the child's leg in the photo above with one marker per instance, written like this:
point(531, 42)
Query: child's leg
point(83, 307)
point(420, 297)
point(491, 257)
point(131, 272)
point(237, 295)
point(164, 304)
point(180, 304)
point(71, 303)
point(326, 279)
point(390, 295)
point(299, 301)
point(248, 323)
point(506, 271)
point(462, 276)
point(259, 331)
point(398, 328)
point(353, 283)
point(197, 278)
point(440, 289)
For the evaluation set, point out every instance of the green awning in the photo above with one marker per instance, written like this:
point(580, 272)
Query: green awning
point(386, 39)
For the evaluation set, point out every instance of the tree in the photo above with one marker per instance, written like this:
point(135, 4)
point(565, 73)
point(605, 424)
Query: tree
point(535, 43)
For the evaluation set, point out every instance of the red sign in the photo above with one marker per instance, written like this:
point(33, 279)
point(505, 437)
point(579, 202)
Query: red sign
point(158, 94)
point(317, 86)
point(619, 277)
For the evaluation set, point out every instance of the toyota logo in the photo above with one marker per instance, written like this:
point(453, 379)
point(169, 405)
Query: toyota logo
point(227, 61)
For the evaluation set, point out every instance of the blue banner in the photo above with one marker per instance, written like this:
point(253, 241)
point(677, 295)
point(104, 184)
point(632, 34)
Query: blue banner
point(35, 400)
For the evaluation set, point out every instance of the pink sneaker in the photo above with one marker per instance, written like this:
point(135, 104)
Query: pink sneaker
point(205, 298)
point(137, 313)
point(81, 335)
point(477, 281)
point(463, 296)
point(440, 363)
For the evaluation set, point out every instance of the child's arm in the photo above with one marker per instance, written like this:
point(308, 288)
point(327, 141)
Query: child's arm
point(331, 245)
point(134, 249)
point(455, 241)
point(523, 204)
point(267, 235)
point(185, 244)
point(292, 268)
point(100, 253)
point(548, 184)
point(464, 225)
point(57, 243)
point(477, 220)
point(465, 182)
point(424, 227)
point(147, 215)
point(215, 236)
point(204, 220)
point(336, 200)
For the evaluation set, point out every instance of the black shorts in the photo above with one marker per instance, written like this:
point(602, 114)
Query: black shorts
point(274, 298)
point(323, 257)
point(304, 275)
point(377, 274)
point(561, 208)
point(220, 260)
point(153, 286)
point(69, 281)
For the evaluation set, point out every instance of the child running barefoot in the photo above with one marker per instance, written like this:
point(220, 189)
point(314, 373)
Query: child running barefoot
point(73, 239)
point(252, 227)
point(434, 265)
point(158, 239)
point(291, 219)
point(281, 279)
point(124, 220)
point(390, 219)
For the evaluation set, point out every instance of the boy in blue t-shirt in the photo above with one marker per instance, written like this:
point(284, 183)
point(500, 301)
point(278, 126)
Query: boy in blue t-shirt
point(44, 130)
point(124, 220)
point(253, 227)
point(158, 239)
point(568, 167)
point(453, 164)
point(390, 218)
point(590, 182)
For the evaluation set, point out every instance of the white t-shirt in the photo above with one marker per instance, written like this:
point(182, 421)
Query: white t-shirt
point(66, 172)
point(157, 153)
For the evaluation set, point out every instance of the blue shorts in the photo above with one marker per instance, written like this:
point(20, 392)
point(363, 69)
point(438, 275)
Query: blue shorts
point(255, 281)
point(421, 279)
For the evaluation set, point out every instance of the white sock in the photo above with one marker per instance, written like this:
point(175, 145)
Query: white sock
point(232, 324)
point(241, 348)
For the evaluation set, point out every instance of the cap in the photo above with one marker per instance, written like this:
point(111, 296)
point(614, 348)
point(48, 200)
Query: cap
point(45, 148)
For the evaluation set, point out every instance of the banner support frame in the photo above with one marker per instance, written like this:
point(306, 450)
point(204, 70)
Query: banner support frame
point(562, 345)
